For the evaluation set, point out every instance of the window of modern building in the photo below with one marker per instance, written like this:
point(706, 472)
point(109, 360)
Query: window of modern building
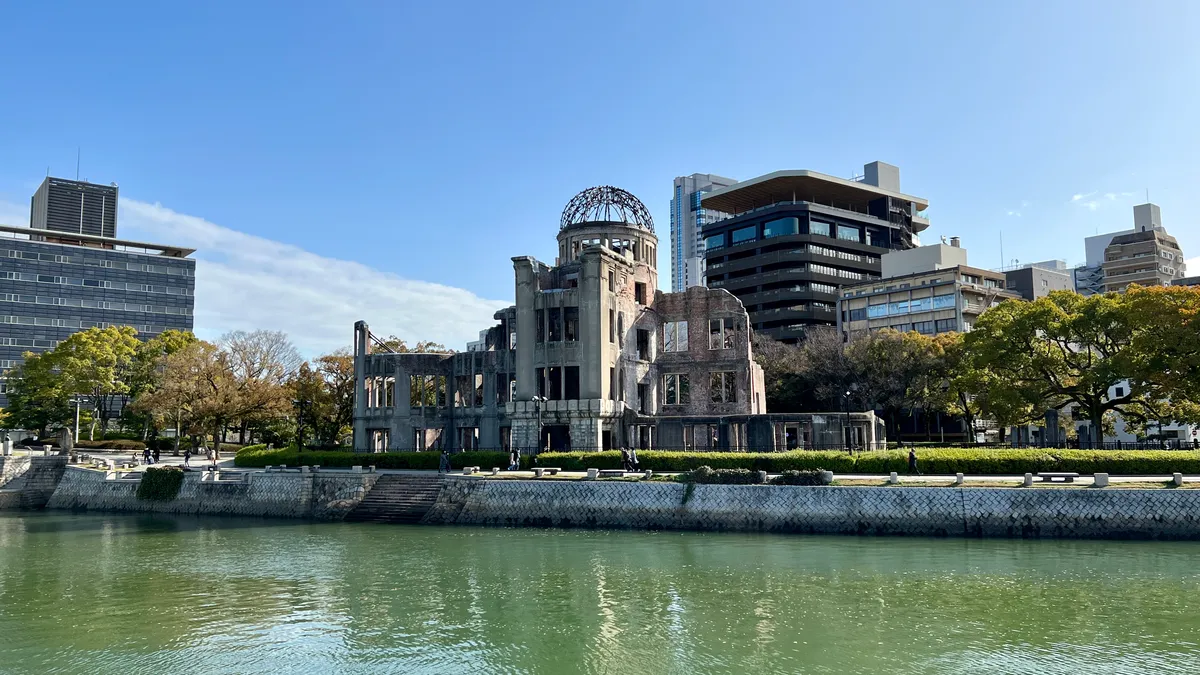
point(925, 327)
point(971, 279)
point(819, 227)
point(781, 227)
point(920, 304)
point(897, 308)
point(876, 238)
point(848, 233)
point(715, 242)
point(676, 389)
point(858, 314)
point(722, 387)
point(720, 333)
point(944, 301)
point(675, 336)
point(745, 234)
point(877, 311)
point(947, 325)
point(571, 323)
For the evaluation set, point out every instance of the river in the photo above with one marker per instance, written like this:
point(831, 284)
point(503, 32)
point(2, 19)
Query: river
point(163, 595)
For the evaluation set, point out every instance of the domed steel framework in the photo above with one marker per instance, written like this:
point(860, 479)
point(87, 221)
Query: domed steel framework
point(606, 203)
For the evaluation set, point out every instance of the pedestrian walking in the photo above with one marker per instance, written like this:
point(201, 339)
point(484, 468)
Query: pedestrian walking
point(625, 464)
point(912, 461)
point(444, 462)
point(512, 460)
point(146, 455)
point(187, 457)
point(633, 460)
point(157, 454)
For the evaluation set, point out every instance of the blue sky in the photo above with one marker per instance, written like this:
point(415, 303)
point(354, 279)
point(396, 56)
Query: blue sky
point(395, 156)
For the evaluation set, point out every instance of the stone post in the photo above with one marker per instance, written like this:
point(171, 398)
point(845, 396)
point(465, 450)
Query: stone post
point(7, 446)
point(1100, 480)
point(1028, 480)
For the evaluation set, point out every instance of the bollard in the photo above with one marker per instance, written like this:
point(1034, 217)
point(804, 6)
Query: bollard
point(357, 468)
point(593, 474)
point(1177, 479)
point(8, 446)
point(1100, 480)
point(893, 479)
point(538, 472)
point(468, 470)
point(495, 471)
point(649, 474)
point(958, 479)
point(826, 478)
point(1028, 480)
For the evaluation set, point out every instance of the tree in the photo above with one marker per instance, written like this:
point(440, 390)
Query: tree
point(146, 375)
point(399, 346)
point(262, 362)
point(98, 364)
point(337, 370)
point(310, 400)
point(36, 398)
point(1067, 349)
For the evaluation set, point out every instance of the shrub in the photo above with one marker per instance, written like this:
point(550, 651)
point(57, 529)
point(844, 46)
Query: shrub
point(807, 477)
point(120, 444)
point(160, 484)
point(709, 476)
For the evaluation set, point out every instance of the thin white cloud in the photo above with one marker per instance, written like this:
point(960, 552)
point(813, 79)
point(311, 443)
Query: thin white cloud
point(1015, 214)
point(244, 282)
point(1079, 196)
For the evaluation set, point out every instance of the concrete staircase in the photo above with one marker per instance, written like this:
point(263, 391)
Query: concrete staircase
point(398, 498)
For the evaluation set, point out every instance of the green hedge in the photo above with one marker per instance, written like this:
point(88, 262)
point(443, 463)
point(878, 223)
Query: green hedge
point(977, 461)
point(259, 456)
point(160, 483)
point(658, 460)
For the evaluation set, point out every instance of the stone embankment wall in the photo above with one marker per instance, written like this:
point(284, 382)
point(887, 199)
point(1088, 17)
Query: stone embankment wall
point(28, 481)
point(955, 512)
point(326, 496)
point(12, 468)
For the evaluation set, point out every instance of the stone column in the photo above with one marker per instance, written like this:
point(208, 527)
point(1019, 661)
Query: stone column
point(361, 349)
point(526, 300)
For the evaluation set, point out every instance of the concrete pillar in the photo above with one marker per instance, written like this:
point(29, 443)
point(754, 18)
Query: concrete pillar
point(1177, 479)
point(1100, 480)
point(1028, 480)
point(593, 333)
point(400, 425)
point(526, 300)
point(361, 349)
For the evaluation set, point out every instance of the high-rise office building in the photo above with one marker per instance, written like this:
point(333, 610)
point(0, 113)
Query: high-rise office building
point(74, 206)
point(55, 281)
point(688, 218)
point(795, 236)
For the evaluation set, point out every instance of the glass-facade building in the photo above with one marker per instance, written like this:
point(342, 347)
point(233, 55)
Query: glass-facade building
point(688, 218)
point(53, 284)
point(796, 237)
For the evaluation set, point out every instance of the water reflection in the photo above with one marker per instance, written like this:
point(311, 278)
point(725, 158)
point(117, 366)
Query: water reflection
point(114, 594)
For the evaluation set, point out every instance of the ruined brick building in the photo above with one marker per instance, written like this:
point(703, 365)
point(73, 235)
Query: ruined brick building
point(591, 356)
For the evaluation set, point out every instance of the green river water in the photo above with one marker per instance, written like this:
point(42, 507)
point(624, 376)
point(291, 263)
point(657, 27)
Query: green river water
point(162, 595)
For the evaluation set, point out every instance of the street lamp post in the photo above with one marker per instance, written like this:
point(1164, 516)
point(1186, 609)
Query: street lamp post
point(537, 408)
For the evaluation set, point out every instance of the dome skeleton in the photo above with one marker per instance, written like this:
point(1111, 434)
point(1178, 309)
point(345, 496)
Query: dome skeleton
point(606, 203)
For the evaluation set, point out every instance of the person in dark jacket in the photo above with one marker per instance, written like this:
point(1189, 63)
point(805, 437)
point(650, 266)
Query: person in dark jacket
point(444, 462)
point(625, 465)
point(912, 461)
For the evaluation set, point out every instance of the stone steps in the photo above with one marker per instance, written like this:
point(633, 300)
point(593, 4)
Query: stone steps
point(402, 498)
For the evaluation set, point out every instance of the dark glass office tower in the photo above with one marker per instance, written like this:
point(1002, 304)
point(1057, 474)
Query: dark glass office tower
point(794, 237)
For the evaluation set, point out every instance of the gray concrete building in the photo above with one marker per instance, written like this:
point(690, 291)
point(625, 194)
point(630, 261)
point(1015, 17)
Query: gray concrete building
point(688, 218)
point(54, 282)
point(1117, 259)
point(591, 356)
point(1037, 280)
point(794, 237)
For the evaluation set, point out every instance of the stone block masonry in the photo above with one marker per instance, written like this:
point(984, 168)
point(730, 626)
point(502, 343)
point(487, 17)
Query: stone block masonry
point(324, 496)
point(940, 512)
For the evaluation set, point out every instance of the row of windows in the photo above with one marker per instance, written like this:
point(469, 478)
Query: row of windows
point(75, 323)
point(95, 304)
point(28, 342)
point(96, 262)
point(722, 388)
point(837, 272)
point(904, 307)
point(94, 283)
point(791, 225)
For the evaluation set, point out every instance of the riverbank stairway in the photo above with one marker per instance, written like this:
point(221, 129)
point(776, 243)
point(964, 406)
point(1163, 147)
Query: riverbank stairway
point(398, 498)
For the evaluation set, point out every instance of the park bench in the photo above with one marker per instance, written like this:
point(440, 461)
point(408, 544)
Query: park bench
point(540, 471)
point(1066, 476)
point(612, 473)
